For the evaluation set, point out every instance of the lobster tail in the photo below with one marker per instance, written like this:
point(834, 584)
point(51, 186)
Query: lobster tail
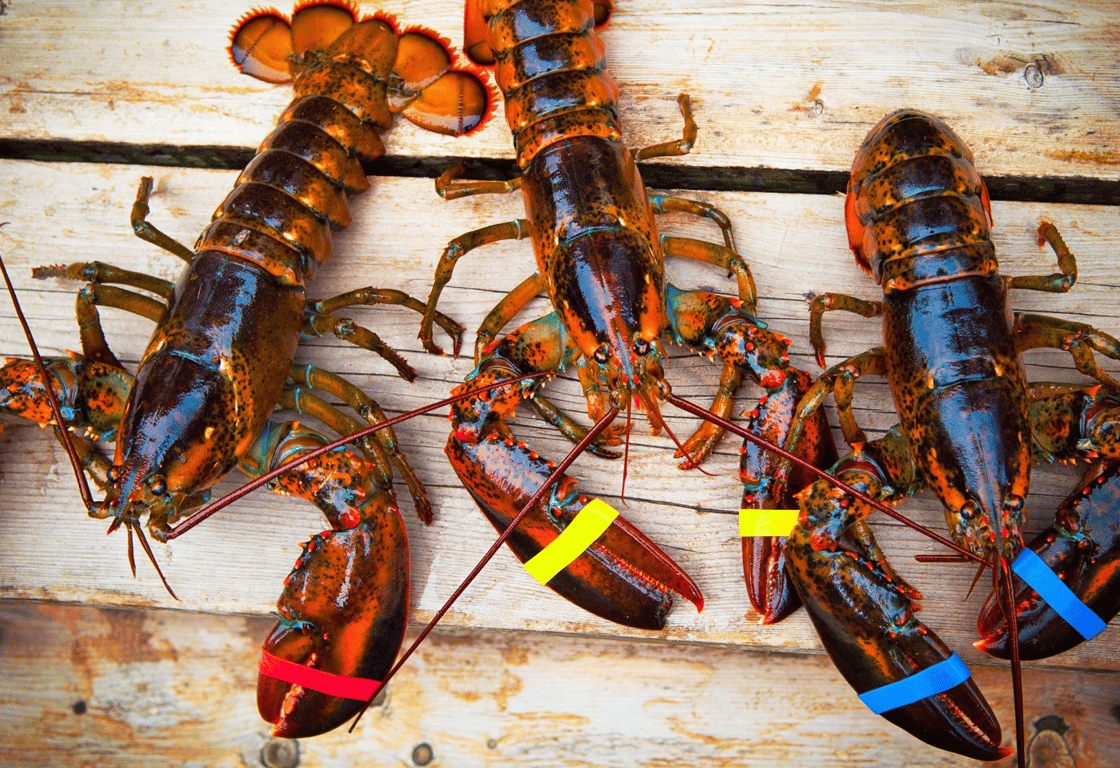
point(369, 66)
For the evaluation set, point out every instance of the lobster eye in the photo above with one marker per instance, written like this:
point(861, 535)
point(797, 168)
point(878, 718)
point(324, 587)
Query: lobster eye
point(641, 347)
point(601, 356)
point(969, 510)
point(159, 486)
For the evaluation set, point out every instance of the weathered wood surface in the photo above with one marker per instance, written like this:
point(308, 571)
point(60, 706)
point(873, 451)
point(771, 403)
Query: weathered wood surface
point(1032, 86)
point(135, 75)
point(177, 688)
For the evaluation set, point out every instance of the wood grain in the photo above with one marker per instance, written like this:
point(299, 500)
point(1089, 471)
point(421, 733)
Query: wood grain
point(1033, 87)
point(177, 688)
point(791, 88)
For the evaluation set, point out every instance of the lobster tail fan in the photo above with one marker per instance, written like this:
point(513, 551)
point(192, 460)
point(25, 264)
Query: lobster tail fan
point(603, 10)
point(260, 45)
point(315, 27)
point(456, 104)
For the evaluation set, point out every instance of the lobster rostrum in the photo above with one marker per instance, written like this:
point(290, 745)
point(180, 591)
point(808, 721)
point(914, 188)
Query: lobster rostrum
point(600, 261)
point(221, 359)
point(918, 220)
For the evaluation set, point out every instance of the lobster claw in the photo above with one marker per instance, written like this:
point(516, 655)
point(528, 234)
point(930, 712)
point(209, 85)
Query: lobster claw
point(868, 627)
point(343, 612)
point(623, 577)
point(1083, 548)
point(764, 560)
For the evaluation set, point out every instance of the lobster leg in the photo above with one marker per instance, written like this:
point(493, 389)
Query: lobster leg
point(371, 413)
point(450, 187)
point(671, 204)
point(147, 231)
point(1038, 331)
point(623, 576)
point(370, 296)
point(827, 302)
point(95, 293)
point(681, 146)
point(511, 230)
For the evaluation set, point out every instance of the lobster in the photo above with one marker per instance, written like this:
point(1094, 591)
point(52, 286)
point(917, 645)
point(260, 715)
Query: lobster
point(221, 359)
point(600, 260)
point(918, 219)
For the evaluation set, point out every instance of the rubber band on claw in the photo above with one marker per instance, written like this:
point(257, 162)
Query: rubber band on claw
point(767, 522)
point(584, 530)
point(929, 682)
point(340, 686)
point(1032, 569)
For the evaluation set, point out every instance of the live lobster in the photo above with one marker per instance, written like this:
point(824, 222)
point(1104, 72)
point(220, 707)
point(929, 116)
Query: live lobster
point(221, 359)
point(918, 220)
point(600, 261)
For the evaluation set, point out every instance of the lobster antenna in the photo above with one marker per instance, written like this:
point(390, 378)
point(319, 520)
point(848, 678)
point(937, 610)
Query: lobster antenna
point(553, 478)
point(60, 423)
point(225, 501)
point(1008, 595)
point(696, 410)
point(626, 454)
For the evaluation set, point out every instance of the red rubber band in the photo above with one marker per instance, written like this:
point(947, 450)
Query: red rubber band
point(343, 687)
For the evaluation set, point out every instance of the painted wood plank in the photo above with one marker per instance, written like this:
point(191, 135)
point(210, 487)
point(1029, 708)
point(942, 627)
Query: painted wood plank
point(1032, 87)
point(135, 687)
point(235, 563)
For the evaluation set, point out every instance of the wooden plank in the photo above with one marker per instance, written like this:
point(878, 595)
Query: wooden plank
point(795, 245)
point(155, 687)
point(1031, 86)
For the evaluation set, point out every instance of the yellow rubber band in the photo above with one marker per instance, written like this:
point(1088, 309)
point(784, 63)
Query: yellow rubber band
point(767, 522)
point(591, 522)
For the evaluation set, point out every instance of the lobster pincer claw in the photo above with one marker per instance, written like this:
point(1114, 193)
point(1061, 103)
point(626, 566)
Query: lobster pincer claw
point(344, 607)
point(1082, 550)
point(344, 611)
point(868, 627)
point(767, 485)
point(622, 577)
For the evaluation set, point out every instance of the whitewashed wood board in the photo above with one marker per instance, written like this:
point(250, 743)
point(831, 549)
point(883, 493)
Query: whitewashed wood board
point(1033, 87)
point(136, 687)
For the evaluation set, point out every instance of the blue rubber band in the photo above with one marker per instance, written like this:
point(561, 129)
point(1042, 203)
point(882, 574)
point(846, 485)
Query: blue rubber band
point(1033, 569)
point(929, 682)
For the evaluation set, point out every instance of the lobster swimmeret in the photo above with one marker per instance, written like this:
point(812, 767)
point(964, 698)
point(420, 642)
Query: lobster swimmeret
point(221, 358)
point(600, 261)
point(918, 221)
